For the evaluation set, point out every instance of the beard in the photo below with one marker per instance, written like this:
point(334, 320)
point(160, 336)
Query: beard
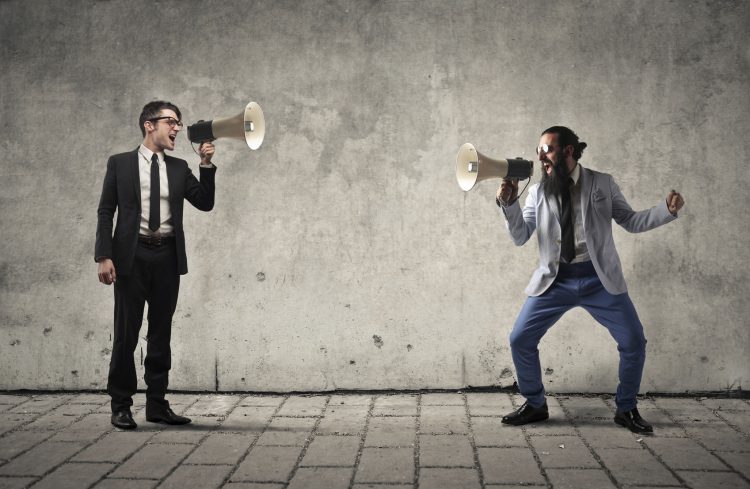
point(551, 184)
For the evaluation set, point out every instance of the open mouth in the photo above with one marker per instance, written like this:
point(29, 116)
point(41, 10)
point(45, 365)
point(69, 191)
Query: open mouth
point(172, 137)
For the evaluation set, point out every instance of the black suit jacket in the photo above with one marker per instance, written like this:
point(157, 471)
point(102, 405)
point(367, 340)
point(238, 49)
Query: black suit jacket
point(122, 192)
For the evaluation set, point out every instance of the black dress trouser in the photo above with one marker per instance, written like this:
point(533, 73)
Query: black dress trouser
point(155, 280)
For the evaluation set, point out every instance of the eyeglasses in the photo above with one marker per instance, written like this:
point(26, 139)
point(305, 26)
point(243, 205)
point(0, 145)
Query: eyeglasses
point(170, 120)
point(544, 148)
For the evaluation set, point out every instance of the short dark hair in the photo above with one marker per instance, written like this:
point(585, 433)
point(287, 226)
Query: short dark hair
point(566, 137)
point(152, 109)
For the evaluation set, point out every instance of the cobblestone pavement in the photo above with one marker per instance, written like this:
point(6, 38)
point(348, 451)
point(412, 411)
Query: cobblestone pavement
point(373, 440)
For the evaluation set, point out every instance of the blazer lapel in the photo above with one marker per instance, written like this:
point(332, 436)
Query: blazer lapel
point(135, 174)
point(552, 204)
point(172, 177)
point(587, 183)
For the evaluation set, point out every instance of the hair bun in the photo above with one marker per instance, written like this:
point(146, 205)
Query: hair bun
point(582, 145)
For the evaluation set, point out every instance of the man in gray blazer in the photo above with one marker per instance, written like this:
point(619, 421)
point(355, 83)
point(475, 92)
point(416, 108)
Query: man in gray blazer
point(572, 209)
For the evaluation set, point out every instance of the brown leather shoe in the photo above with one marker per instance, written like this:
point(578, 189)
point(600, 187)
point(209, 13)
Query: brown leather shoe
point(526, 414)
point(123, 420)
point(632, 420)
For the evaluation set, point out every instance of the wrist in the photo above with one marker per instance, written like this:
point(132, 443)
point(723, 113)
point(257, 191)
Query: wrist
point(502, 203)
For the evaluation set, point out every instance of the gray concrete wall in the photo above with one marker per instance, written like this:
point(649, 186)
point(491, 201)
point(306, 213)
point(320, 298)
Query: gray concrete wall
point(342, 254)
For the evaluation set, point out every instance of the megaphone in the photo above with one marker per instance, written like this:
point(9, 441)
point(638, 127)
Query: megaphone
point(472, 167)
point(249, 126)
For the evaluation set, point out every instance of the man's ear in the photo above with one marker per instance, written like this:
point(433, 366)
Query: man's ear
point(568, 150)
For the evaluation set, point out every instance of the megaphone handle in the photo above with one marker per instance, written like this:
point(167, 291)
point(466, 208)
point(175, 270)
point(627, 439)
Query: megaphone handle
point(192, 145)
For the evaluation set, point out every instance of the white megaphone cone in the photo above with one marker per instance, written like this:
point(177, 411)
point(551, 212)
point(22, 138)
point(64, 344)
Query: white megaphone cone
point(248, 126)
point(472, 167)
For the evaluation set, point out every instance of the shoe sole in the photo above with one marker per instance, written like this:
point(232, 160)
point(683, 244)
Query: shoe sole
point(161, 421)
point(532, 420)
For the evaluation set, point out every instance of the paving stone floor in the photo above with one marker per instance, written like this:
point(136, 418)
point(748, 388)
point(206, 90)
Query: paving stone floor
point(371, 440)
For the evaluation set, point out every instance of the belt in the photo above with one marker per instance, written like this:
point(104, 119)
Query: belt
point(155, 240)
point(576, 269)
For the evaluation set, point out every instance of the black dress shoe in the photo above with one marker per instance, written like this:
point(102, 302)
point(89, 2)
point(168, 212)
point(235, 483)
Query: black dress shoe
point(526, 414)
point(632, 420)
point(167, 416)
point(123, 420)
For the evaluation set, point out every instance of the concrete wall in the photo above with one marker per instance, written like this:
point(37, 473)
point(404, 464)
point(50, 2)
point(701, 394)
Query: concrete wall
point(342, 254)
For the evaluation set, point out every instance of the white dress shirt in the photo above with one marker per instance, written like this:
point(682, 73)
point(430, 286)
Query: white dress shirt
point(144, 171)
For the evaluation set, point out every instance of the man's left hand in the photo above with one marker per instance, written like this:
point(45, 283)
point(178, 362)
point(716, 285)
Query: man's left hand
point(206, 151)
point(674, 202)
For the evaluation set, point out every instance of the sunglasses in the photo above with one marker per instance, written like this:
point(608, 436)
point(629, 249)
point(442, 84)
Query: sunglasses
point(544, 148)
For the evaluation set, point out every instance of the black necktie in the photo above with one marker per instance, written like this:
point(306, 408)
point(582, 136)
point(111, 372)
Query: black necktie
point(153, 216)
point(566, 223)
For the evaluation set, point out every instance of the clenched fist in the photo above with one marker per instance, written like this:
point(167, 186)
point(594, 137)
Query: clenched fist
point(508, 191)
point(674, 202)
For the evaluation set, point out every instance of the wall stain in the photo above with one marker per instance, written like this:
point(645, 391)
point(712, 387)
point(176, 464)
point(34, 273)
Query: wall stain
point(15, 342)
point(549, 371)
point(409, 348)
point(377, 340)
point(89, 335)
point(46, 331)
point(216, 372)
point(260, 276)
point(5, 276)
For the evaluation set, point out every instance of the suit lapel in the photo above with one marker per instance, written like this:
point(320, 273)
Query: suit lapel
point(587, 183)
point(552, 204)
point(135, 174)
point(172, 179)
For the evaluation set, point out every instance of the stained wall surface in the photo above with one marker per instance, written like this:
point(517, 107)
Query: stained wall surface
point(342, 254)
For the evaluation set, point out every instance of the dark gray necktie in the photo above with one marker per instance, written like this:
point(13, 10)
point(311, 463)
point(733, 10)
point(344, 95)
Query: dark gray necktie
point(153, 216)
point(566, 224)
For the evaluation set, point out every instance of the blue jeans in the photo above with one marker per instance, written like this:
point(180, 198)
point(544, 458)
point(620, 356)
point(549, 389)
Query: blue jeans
point(578, 285)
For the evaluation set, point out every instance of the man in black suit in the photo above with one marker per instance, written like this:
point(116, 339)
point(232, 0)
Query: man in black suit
point(146, 255)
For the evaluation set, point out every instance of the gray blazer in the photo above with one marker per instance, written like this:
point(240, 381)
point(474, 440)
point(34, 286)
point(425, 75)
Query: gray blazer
point(601, 202)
